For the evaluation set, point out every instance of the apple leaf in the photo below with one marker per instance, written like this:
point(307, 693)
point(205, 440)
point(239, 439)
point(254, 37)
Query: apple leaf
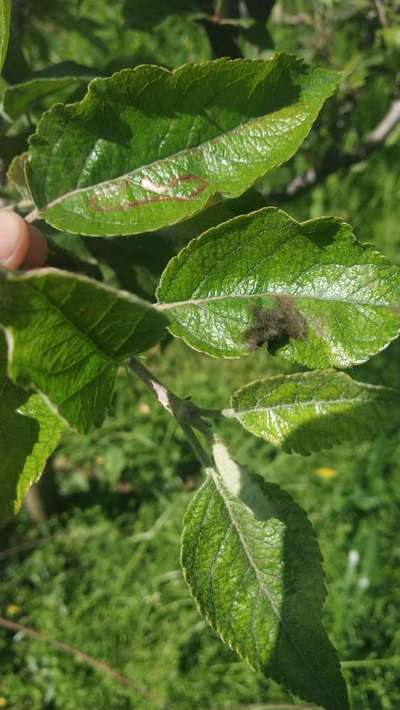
point(147, 147)
point(67, 335)
point(308, 291)
point(19, 98)
point(252, 562)
point(309, 411)
point(29, 433)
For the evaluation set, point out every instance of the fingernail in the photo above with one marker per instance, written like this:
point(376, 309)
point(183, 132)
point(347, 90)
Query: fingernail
point(13, 241)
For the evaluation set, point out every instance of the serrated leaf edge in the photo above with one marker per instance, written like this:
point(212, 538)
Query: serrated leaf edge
point(306, 451)
point(210, 476)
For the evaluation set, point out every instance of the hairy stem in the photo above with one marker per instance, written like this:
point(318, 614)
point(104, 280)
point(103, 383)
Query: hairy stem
point(187, 414)
point(227, 413)
point(32, 216)
point(165, 397)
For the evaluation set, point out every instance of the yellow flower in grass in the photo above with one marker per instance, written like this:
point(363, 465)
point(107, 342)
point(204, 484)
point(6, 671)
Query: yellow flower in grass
point(12, 610)
point(3, 702)
point(325, 472)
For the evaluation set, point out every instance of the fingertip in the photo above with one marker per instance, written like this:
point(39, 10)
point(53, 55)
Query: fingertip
point(14, 239)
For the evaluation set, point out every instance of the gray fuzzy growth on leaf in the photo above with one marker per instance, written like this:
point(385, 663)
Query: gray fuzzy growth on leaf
point(275, 326)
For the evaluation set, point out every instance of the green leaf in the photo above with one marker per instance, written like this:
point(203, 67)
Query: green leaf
point(212, 216)
point(310, 411)
point(16, 173)
point(147, 147)
point(307, 290)
point(138, 263)
point(20, 98)
point(5, 19)
point(67, 335)
point(252, 562)
point(29, 433)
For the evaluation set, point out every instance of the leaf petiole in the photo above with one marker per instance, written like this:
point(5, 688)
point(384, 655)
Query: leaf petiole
point(184, 411)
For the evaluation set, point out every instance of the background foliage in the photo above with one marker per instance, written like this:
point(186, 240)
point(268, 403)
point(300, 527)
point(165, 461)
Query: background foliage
point(100, 569)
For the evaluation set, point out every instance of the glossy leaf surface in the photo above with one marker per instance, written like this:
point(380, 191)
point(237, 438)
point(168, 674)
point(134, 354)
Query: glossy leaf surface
point(309, 411)
point(67, 334)
point(309, 291)
point(252, 563)
point(148, 148)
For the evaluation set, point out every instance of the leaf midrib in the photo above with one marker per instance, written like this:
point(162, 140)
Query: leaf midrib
point(283, 625)
point(263, 294)
point(306, 403)
point(236, 526)
point(55, 307)
point(185, 151)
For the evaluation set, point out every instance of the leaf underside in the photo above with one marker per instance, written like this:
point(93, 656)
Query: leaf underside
point(252, 562)
point(67, 335)
point(147, 147)
point(17, 177)
point(29, 432)
point(308, 291)
point(310, 411)
point(20, 98)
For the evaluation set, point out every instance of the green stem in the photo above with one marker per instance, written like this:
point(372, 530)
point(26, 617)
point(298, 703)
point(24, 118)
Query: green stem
point(186, 414)
point(201, 454)
point(165, 397)
point(32, 216)
point(216, 413)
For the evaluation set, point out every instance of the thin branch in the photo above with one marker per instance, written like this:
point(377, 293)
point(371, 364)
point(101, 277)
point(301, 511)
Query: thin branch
point(293, 20)
point(385, 126)
point(381, 12)
point(165, 397)
point(28, 545)
point(333, 162)
point(75, 653)
point(219, 6)
point(372, 662)
point(185, 412)
point(32, 216)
